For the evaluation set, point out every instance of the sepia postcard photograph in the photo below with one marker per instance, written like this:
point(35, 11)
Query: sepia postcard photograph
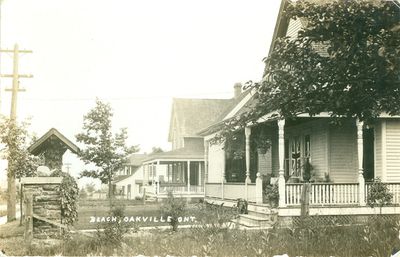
point(221, 128)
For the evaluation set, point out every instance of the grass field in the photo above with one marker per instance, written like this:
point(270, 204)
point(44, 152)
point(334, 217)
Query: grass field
point(85, 212)
point(88, 209)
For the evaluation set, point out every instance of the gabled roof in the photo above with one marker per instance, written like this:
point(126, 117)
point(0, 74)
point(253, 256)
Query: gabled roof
point(37, 147)
point(120, 178)
point(136, 159)
point(280, 30)
point(180, 153)
point(190, 115)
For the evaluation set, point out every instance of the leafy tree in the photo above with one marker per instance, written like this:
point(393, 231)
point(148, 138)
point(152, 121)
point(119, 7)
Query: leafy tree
point(156, 150)
point(15, 139)
point(90, 188)
point(106, 151)
point(82, 193)
point(345, 61)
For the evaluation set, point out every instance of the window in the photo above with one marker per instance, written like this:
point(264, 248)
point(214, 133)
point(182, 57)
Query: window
point(297, 152)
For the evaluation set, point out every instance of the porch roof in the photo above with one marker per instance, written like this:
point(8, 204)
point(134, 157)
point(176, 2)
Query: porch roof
point(184, 153)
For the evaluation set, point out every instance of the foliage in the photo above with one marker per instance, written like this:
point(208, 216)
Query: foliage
point(272, 194)
point(214, 218)
point(113, 232)
point(174, 208)
point(107, 152)
point(242, 206)
point(155, 149)
point(21, 163)
point(83, 194)
point(379, 194)
point(378, 236)
point(90, 188)
point(69, 195)
point(16, 140)
point(345, 61)
point(307, 170)
point(261, 141)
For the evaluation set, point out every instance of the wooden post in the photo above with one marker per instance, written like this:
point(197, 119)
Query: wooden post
point(144, 195)
point(20, 203)
point(360, 149)
point(28, 234)
point(281, 147)
point(223, 179)
point(188, 177)
point(247, 132)
point(206, 145)
point(259, 189)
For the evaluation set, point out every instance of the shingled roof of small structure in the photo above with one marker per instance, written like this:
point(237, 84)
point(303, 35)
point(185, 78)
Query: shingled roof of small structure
point(37, 147)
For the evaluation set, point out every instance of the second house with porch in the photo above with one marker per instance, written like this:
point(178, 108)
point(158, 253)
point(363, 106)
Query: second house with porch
point(182, 170)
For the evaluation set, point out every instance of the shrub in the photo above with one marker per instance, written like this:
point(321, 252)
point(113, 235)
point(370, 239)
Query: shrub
point(69, 195)
point(174, 208)
point(272, 194)
point(242, 206)
point(378, 194)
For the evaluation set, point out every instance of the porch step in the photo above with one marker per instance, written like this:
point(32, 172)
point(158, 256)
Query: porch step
point(247, 221)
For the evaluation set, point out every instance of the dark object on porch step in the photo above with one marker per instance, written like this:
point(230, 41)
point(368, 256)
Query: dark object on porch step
point(242, 206)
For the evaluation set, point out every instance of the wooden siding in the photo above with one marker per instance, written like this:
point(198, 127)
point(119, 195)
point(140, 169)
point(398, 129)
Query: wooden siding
point(378, 150)
point(319, 148)
point(317, 129)
point(393, 150)
point(216, 163)
point(293, 28)
point(275, 153)
point(343, 152)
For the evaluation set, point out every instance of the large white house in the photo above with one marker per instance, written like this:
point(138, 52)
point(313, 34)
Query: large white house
point(344, 159)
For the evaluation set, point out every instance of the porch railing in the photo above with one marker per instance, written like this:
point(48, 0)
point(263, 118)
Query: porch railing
point(213, 190)
point(394, 188)
point(232, 191)
point(324, 194)
point(164, 189)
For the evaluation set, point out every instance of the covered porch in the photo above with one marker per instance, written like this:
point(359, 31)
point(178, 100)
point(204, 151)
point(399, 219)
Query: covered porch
point(183, 175)
point(341, 161)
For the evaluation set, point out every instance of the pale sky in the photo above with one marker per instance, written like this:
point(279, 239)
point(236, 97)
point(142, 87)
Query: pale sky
point(135, 54)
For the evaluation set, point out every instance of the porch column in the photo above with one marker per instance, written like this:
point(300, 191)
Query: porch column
point(247, 133)
point(205, 165)
point(259, 190)
point(156, 176)
point(281, 147)
point(188, 176)
point(360, 152)
point(199, 175)
point(223, 179)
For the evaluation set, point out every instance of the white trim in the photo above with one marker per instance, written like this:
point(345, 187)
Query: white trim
point(328, 149)
point(383, 138)
point(375, 143)
point(239, 105)
point(173, 160)
point(337, 210)
point(209, 137)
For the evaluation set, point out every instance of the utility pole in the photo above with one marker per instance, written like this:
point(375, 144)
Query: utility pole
point(11, 201)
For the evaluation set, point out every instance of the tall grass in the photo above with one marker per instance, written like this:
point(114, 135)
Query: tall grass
point(377, 236)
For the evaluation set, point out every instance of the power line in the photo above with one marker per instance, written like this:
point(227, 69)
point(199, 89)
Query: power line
point(65, 99)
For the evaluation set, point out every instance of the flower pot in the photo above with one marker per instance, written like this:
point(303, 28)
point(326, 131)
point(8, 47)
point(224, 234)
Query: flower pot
point(262, 150)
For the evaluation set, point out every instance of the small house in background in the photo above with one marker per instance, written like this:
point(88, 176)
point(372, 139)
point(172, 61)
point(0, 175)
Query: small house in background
point(128, 182)
point(181, 170)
